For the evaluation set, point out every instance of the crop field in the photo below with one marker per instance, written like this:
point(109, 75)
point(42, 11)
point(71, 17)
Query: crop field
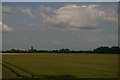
point(60, 66)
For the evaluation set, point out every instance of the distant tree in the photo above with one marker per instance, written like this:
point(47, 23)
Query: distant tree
point(115, 49)
point(64, 50)
point(102, 49)
point(55, 51)
point(105, 49)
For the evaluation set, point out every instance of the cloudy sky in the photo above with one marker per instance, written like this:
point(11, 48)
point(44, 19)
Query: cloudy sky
point(50, 25)
point(60, 0)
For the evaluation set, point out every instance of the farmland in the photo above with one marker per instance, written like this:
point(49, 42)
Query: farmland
point(60, 65)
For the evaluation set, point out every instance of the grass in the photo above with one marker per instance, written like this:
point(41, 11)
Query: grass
point(7, 72)
point(72, 65)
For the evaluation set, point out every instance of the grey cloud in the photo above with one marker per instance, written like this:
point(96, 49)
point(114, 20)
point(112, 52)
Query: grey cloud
point(70, 16)
point(78, 17)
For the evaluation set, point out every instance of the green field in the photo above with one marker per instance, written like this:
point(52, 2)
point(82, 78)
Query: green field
point(60, 65)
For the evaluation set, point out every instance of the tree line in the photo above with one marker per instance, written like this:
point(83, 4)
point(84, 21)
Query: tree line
point(102, 49)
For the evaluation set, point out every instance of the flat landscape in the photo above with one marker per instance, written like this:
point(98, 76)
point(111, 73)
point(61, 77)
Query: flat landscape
point(60, 65)
point(59, 40)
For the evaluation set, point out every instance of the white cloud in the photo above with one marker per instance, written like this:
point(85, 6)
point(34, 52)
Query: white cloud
point(45, 12)
point(70, 16)
point(7, 10)
point(16, 10)
point(27, 11)
point(6, 28)
point(79, 17)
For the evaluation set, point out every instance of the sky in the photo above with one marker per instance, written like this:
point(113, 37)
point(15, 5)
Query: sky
point(59, 0)
point(56, 25)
